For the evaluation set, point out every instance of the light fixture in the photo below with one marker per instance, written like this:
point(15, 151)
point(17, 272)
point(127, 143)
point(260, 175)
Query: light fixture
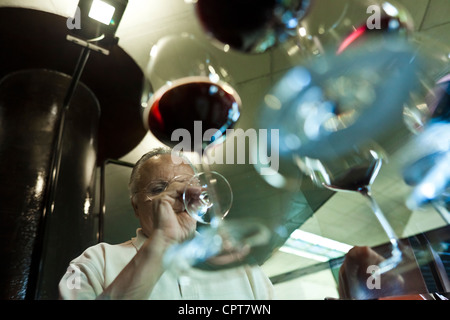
point(312, 246)
point(102, 12)
point(93, 27)
point(96, 22)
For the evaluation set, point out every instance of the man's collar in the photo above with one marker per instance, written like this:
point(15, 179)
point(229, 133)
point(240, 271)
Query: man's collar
point(140, 238)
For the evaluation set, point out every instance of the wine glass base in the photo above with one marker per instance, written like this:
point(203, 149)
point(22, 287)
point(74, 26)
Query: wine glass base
point(390, 263)
point(212, 248)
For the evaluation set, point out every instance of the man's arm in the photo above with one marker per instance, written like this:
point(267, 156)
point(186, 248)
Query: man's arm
point(138, 278)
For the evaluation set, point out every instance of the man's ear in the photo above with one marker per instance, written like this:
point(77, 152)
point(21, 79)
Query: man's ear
point(135, 206)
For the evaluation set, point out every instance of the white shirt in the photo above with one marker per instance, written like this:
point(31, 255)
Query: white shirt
point(93, 271)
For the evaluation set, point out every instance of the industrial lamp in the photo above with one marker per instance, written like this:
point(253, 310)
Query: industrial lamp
point(95, 23)
point(93, 27)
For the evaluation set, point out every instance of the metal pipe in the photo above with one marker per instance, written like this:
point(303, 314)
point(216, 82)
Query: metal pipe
point(102, 213)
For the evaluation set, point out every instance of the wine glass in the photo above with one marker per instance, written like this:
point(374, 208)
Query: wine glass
point(355, 172)
point(204, 191)
point(192, 104)
point(336, 116)
point(191, 107)
point(192, 97)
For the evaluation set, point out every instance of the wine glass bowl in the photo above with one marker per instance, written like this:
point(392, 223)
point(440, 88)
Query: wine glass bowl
point(193, 102)
point(355, 172)
point(208, 197)
point(335, 103)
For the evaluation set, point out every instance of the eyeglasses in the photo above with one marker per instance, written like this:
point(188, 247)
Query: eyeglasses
point(157, 187)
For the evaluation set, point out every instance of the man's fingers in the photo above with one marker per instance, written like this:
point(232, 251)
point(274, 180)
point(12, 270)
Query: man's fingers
point(172, 197)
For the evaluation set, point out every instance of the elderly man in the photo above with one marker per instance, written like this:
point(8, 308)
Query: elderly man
point(134, 269)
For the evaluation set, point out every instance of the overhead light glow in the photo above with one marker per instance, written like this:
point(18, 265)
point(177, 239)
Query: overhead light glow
point(315, 247)
point(102, 12)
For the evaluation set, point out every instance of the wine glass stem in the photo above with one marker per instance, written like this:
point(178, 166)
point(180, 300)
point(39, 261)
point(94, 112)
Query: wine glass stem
point(383, 221)
point(440, 208)
point(204, 167)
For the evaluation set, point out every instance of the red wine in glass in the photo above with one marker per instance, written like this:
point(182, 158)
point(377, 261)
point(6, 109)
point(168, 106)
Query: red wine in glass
point(359, 178)
point(186, 102)
point(249, 25)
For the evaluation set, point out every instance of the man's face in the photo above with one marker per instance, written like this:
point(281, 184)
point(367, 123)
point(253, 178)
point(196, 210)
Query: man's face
point(158, 169)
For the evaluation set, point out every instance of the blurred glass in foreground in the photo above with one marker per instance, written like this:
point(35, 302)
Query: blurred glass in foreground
point(426, 158)
point(337, 103)
point(427, 169)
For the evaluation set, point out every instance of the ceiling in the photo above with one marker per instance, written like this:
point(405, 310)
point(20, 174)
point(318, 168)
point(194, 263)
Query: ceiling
point(345, 217)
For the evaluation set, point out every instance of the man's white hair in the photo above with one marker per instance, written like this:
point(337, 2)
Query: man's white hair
point(136, 172)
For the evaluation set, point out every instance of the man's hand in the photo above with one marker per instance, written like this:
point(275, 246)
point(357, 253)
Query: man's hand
point(355, 273)
point(170, 216)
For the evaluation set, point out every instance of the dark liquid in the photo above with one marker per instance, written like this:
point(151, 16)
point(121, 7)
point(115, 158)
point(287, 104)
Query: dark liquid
point(182, 105)
point(235, 22)
point(356, 179)
point(245, 24)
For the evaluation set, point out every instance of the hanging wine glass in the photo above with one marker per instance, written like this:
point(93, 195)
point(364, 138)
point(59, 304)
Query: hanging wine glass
point(335, 111)
point(192, 105)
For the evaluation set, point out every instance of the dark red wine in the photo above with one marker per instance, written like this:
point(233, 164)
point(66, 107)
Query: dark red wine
point(246, 24)
point(189, 100)
point(355, 179)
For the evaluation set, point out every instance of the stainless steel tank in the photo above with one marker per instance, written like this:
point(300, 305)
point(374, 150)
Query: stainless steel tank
point(42, 229)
